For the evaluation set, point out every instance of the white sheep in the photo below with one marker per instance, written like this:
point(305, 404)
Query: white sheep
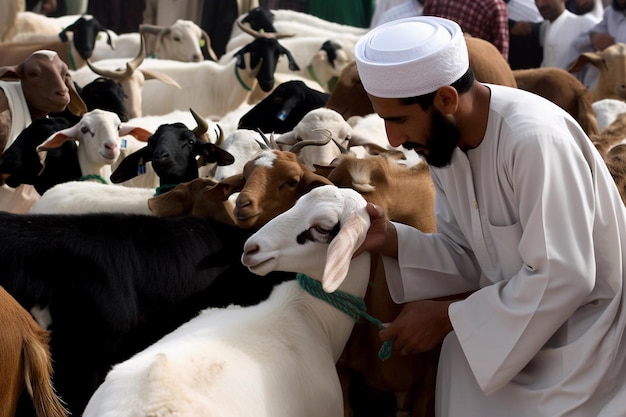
point(276, 358)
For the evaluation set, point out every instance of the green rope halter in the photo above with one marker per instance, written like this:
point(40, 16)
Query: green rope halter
point(245, 87)
point(71, 57)
point(164, 188)
point(349, 304)
point(92, 177)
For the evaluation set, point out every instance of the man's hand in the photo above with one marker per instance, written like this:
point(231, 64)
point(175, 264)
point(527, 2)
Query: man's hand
point(420, 326)
point(381, 236)
point(601, 41)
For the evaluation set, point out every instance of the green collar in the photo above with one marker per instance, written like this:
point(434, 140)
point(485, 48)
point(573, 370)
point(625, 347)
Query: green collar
point(349, 304)
point(247, 88)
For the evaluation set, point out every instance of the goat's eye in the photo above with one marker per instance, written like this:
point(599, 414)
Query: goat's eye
point(84, 129)
point(191, 141)
point(322, 230)
point(176, 38)
point(291, 183)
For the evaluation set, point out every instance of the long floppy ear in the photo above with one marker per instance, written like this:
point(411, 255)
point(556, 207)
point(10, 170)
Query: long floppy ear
point(77, 106)
point(341, 249)
point(137, 132)
point(57, 139)
point(9, 73)
point(132, 165)
point(212, 153)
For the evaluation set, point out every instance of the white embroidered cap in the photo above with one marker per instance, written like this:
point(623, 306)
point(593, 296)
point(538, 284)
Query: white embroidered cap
point(411, 57)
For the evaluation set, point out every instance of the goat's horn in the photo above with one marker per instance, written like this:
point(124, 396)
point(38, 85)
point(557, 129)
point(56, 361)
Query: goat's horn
point(203, 125)
point(114, 74)
point(273, 143)
point(265, 139)
point(220, 138)
point(138, 60)
point(256, 34)
point(298, 146)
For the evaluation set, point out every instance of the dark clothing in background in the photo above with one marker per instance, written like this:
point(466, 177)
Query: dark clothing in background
point(218, 17)
point(121, 16)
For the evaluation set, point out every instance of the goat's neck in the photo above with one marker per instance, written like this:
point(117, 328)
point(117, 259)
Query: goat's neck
point(88, 168)
point(332, 323)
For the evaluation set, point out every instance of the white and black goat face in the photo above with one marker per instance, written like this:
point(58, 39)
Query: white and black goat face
point(316, 237)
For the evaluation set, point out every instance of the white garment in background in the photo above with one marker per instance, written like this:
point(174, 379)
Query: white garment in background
point(557, 38)
point(532, 221)
point(524, 11)
point(21, 198)
point(409, 8)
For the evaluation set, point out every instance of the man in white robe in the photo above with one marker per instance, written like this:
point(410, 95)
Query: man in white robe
point(530, 224)
point(558, 32)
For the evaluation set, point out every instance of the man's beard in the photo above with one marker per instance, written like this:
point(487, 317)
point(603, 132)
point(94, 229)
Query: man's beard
point(441, 142)
point(619, 6)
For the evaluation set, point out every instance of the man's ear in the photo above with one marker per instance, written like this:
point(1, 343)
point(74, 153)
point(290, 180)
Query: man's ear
point(446, 100)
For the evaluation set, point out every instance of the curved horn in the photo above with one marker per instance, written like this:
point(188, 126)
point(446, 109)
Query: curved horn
point(298, 146)
point(220, 139)
point(138, 60)
point(256, 34)
point(203, 125)
point(117, 74)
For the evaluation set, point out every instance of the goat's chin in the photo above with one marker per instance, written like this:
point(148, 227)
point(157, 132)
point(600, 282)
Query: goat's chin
point(259, 267)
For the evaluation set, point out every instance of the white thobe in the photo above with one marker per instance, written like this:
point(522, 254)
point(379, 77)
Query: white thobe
point(21, 198)
point(557, 38)
point(532, 220)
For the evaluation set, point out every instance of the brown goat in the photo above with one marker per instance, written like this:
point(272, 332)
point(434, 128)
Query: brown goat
point(13, 53)
point(406, 195)
point(25, 362)
point(350, 99)
point(270, 184)
point(564, 90)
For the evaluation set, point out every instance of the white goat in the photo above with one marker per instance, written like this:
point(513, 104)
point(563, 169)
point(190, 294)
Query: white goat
point(180, 41)
point(276, 358)
point(99, 135)
point(74, 197)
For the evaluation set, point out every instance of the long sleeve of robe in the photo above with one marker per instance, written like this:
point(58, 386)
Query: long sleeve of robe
point(530, 219)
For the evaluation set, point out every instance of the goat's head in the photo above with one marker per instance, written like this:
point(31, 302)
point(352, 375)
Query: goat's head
point(86, 31)
point(98, 133)
point(46, 83)
point(265, 51)
point(175, 153)
point(327, 223)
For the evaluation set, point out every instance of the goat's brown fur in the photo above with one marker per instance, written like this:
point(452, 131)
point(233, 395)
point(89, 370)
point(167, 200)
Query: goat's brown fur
point(25, 362)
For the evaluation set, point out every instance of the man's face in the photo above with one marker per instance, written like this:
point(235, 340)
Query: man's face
point(430, 133)
point(619, 5)
point(550, 9)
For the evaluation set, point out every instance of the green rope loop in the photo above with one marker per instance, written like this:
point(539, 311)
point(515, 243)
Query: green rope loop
point(240, 80)
point(164, 188)
point(92, 177)
point(71, 57)
point(348, 303)
point(313, 76)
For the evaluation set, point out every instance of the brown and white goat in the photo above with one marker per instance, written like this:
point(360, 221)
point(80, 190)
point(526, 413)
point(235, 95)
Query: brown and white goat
point(25, 362)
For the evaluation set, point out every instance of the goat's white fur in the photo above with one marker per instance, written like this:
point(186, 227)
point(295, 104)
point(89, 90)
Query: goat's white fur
point(274, 359)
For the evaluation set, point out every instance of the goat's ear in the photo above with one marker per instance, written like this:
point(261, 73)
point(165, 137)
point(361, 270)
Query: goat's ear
point(592, 58)
point(212, 153)
point(231, 185)
point(156, 75)
point(57, 139)
point(131, 165)
point(323, 170)
point(341, 249)
point(312, 180)
point(176, 202)
point(137, 132)
point(77, 106)
point(287, 138)
point(9, 73)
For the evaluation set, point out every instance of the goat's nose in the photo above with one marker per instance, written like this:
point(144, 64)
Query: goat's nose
point(243, 200)
point(110, 145)
point(196, 58)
